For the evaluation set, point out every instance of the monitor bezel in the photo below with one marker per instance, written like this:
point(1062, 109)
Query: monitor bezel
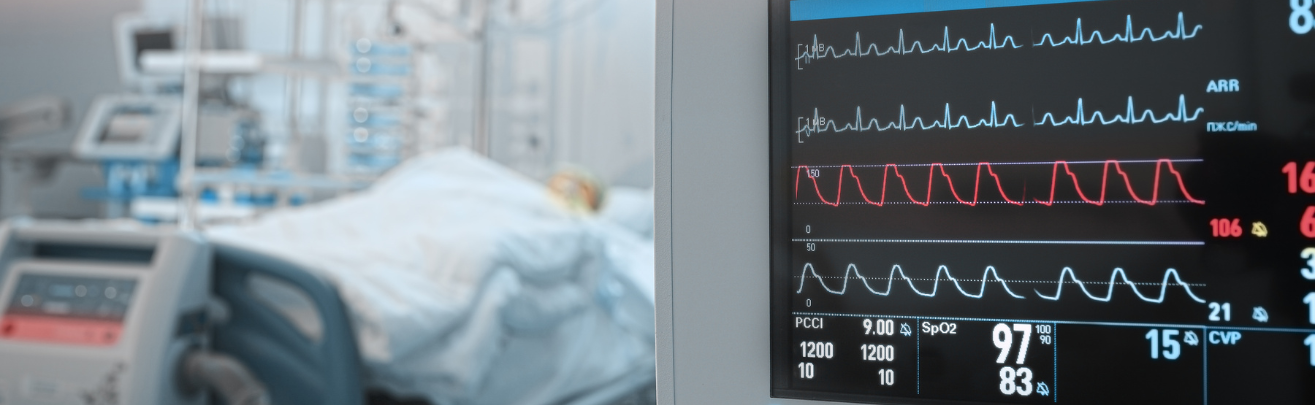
point(779, 95)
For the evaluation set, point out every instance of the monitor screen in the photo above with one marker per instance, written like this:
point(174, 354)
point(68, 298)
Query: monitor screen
point(150, 40)
point(128, 127)
point(1043, 201)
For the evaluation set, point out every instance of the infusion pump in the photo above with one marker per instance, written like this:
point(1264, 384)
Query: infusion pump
point(98, 315)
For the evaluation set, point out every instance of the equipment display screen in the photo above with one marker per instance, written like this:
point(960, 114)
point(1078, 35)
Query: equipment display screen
point(67, 309)
point(1043, 201)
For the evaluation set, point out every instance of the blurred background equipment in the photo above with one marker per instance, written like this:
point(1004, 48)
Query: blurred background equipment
point(101, 315)
point(23, 167)
point(360, 201)
point(33, 116)
point(302, 100)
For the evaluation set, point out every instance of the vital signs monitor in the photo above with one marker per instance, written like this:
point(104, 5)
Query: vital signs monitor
point(996, 201)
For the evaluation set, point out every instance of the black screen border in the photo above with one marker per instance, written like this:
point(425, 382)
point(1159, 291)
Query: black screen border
point(779, 96)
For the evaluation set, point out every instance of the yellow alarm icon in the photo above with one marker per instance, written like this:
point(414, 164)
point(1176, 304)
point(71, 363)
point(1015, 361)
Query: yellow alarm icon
point(1258, 228)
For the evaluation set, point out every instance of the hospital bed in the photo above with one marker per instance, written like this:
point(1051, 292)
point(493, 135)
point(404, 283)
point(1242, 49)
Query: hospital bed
point(520, 303)
point(319, 368)
point(484, 291)
point(303, 344)
point(288, 326)
point(297, 328)
point(472, 316)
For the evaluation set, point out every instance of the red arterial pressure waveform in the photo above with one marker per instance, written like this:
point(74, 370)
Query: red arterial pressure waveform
point(1154, 199)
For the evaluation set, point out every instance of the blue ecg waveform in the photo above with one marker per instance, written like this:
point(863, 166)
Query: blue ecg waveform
point(1129, 117)
point(807, 53)
point(817, 50)
point(819, 124)
point(991, 275)
point(1129, 35)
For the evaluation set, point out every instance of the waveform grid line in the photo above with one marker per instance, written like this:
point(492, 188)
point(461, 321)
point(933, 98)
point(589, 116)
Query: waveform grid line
point(807, 53)
point(1160, 164)
point(1072, 162)
point(1000, 202)
point(1128, 36)
point(1129, 117)
point(992, 275)
point(1009, 241)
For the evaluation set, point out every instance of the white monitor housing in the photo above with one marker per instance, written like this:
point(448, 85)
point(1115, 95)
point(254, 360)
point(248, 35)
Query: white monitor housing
point(713, 326)
point(135, 35)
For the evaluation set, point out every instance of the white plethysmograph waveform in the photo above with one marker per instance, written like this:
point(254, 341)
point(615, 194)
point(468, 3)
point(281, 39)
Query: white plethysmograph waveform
point(807, 53)
point(1118, 278)
point(818, 124)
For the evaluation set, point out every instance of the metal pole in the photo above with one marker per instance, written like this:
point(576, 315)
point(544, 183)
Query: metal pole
point(326, 52)
point(293, 155)
point(483, 143)
point(190, 114)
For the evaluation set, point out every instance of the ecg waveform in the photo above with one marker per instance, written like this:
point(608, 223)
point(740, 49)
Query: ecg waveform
point(818, 124)
point(807, 53)
point(991, 275)
point(1130, 35)
point(1129, 117)
point(1160, 164)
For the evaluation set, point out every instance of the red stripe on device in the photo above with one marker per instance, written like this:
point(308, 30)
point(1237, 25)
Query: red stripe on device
point(47, 329)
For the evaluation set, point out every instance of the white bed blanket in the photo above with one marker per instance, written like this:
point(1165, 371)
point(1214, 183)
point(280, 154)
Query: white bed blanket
point(467, 284)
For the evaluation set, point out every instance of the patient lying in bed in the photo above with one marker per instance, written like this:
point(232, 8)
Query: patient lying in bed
point(468, 284)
